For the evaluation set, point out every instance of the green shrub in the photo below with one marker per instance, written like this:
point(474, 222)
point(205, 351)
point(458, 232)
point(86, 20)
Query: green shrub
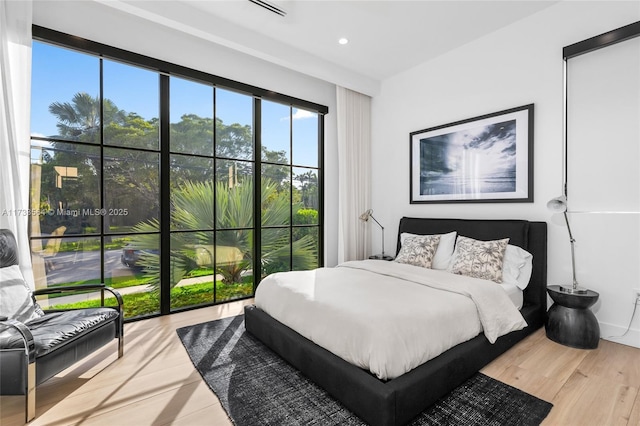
point(306, 217)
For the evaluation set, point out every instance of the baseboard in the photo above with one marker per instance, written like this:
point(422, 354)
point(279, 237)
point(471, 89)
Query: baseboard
point(613, 332)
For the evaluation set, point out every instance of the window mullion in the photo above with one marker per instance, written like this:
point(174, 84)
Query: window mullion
point(102, 176)
point(257, 191)
point(165, 199)
point(215, 197)
point(320, 190)
point(290, 187)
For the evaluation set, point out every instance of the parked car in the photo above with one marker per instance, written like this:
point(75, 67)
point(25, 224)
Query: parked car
point(131, 256)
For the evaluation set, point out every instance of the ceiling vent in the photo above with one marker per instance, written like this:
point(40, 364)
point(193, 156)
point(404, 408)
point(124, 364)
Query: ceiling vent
point(269, 6)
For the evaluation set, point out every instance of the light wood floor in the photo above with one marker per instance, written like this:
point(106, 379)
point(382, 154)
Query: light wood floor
point(155, 383)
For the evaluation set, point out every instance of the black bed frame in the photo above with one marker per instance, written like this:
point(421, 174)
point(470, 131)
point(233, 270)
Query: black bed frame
point(398, 401)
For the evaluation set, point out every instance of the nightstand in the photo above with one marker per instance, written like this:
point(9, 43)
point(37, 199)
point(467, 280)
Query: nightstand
point(381, 257)
point(570, 322)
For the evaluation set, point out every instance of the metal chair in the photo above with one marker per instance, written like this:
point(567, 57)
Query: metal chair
point(32, 352)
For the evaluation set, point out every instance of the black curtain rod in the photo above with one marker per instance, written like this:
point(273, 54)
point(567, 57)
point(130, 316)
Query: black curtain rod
point(603, 40)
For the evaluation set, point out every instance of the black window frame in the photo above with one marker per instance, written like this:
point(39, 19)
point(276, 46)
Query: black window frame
point(166, 70)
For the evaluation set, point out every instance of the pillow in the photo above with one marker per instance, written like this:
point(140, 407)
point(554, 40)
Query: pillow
point(517, 266)
point(442, 258)
point(418, 250)
point(15, 296)
point(479, 259)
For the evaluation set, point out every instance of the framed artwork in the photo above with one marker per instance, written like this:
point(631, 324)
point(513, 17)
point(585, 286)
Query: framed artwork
point(481, 159)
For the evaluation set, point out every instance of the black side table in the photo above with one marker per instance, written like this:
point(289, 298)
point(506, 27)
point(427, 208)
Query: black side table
point(570, 322)
point(381, 257)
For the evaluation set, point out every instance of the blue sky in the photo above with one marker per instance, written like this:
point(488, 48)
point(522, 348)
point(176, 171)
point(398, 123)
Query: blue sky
point(58, 74)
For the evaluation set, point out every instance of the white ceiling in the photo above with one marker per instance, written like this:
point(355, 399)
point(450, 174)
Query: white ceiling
point(385, 37)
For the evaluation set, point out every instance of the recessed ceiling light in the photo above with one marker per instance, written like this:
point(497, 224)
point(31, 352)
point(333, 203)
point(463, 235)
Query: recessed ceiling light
point(343, 41)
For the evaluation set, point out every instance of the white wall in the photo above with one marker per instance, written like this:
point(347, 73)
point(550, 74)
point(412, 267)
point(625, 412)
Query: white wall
point(103, 24)
point(517, 65)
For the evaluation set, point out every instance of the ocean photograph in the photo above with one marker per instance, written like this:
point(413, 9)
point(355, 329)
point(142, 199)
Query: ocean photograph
point(479, 160)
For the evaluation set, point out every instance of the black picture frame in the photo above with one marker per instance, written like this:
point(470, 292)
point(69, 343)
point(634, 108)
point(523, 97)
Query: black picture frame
point(484, 159)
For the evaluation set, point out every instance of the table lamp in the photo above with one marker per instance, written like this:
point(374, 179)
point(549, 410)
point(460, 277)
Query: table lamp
point(365, 218)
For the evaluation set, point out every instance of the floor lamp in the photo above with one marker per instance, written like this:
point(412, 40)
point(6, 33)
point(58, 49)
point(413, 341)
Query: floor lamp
point(559, 204)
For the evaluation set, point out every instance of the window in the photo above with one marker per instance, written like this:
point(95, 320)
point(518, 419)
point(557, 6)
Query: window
point(178, 188)
point(289, 235)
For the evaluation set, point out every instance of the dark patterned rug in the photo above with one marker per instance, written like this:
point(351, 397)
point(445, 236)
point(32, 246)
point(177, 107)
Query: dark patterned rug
point(257, 387)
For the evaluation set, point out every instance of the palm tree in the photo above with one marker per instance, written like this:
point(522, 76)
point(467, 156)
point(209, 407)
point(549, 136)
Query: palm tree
point(193, 209)
point(80, 119)
point(309, 188)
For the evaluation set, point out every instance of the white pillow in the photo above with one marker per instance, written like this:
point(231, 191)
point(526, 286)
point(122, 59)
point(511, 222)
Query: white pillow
point(443, 252)
point(517, 266)
point(15, 296)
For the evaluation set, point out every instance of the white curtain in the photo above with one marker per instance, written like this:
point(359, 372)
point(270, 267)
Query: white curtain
point(354, 173)
point(15, 98)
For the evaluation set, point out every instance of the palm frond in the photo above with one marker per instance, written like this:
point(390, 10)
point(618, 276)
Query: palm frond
point(192, 204)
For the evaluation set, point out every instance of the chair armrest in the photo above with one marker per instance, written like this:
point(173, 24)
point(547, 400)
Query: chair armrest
point(80, 287)
point(69, 289)
point(120, 319)
point(27, 337)
point(116, 294)
point(86, 287)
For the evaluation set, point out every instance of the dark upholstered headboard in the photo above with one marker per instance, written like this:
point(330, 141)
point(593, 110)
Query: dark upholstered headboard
point(531, 236)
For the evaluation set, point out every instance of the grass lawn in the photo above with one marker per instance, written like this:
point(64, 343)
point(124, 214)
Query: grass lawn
point(144, 303)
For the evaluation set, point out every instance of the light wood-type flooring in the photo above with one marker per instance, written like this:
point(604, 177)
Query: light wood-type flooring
point(155, 383)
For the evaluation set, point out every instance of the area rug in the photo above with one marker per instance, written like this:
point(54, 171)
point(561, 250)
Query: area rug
point(257, 387)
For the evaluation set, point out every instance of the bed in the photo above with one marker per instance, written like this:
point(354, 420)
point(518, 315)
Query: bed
point(398, 400)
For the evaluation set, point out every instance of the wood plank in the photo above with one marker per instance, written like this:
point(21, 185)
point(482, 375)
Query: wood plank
point(634, 418)
point(530, 381)
point(585, 400)
point(613, 361)
point(553, 360)
point(162, 409)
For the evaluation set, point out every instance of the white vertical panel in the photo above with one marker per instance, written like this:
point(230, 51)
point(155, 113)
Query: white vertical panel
point(603, 127)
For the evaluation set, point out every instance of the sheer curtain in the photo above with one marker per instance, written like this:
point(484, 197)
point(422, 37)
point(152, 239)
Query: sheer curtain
point(15, 98)
point(354, 172)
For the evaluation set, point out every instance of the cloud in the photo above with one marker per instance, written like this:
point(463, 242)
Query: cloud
point(300, 114)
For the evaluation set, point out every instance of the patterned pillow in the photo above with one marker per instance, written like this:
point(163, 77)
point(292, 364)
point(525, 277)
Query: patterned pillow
point(479, 259)
point(15, 296)
point(418, 250)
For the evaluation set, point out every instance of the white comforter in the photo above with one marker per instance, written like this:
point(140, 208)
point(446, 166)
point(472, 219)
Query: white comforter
point(387, 317)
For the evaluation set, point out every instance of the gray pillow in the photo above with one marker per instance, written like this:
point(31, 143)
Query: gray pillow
point(15, 296)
